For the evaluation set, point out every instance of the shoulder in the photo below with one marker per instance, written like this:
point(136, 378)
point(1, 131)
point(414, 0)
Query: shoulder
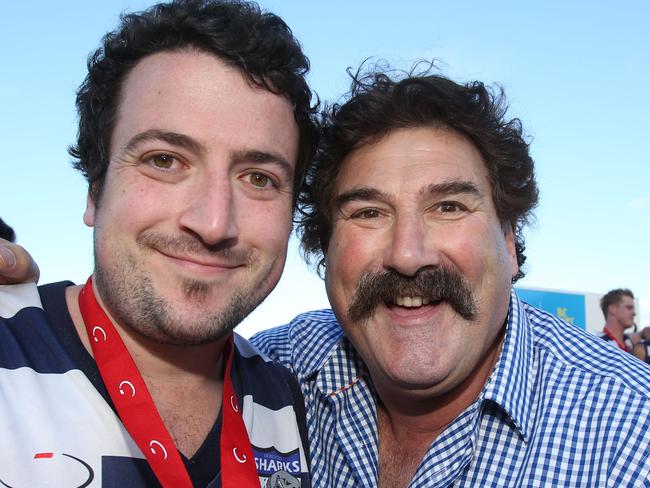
point(28, 331)
point(258, 373)
point(304, 344)
point(14, 298)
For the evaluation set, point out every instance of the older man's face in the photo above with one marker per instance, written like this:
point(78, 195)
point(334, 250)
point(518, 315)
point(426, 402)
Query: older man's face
point(419, 267)
point(191, 230)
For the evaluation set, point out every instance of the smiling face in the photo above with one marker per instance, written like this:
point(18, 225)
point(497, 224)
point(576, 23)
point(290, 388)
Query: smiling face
point(417, 204)
point(192, 224)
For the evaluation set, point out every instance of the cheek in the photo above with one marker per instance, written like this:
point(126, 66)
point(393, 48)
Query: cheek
point(351, 252)
point(129, 202)
point(266, 225)
point(479, 252)
point(466, 251)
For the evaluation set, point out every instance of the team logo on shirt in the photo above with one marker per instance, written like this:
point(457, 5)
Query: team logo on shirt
point(48, 466)
point(282, 479)
point(278, 469)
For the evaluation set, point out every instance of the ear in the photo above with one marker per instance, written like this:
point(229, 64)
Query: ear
point(89, 213)
point(509, 238)
point(611, 310)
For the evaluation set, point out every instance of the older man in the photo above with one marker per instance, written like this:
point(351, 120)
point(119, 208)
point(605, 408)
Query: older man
point(195, 125)
point(430, 371)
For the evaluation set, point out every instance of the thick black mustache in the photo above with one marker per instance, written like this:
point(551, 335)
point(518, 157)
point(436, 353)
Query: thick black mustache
point(435, 284)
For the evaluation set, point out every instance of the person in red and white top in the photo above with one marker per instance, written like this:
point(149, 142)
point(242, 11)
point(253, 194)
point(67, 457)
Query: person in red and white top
point(195, 129)
point(619, 311)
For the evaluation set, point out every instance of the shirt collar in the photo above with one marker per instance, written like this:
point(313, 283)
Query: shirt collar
point(343, 370)
point(511, 383)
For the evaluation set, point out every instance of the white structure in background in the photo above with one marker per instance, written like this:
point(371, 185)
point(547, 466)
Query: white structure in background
point(579, 308)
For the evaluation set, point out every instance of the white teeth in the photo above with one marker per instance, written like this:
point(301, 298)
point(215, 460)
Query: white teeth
point(411, 302)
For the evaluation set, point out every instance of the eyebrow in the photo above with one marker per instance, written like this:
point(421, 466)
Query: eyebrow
point(453, 187)
point(173, 138)
point(363, 193)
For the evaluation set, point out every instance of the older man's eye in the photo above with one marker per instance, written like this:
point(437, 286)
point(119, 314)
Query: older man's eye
point(366, 213)
point(450, 207)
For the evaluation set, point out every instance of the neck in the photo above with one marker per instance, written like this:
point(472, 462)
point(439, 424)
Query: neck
point(173, 374)
point(615, 328)
point(156, 360)
point(409, 423)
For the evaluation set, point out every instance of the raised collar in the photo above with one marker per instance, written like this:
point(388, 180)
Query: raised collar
point(511, 384)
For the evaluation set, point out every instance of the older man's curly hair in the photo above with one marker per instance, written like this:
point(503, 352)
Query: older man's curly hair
point(379, 103)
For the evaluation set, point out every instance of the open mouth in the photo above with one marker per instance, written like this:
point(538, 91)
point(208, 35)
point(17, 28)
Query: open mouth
point(410, 302)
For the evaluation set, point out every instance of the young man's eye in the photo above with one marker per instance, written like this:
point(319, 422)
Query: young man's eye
point(162, 161)
point(260, 180)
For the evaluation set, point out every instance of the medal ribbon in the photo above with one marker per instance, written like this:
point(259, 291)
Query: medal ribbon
point(140, 416)
point(609, 334)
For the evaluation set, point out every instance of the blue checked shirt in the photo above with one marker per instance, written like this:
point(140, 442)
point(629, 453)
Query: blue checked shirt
point(562, 408)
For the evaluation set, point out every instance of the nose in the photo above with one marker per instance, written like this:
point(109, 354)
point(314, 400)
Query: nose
point(210, 211)
point(411, 246)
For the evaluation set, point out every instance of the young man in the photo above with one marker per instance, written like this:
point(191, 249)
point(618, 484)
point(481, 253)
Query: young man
point(619, 312)
point(195, 127)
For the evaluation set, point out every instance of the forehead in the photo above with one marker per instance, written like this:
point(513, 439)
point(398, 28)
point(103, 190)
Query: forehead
point(195, 93)
point(414, 158)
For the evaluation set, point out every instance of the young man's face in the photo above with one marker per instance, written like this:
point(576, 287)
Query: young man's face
point(192, 225)
point(624, 311)
point(415, 202)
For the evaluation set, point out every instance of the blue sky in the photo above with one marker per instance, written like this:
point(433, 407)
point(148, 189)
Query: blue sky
point(575, 73)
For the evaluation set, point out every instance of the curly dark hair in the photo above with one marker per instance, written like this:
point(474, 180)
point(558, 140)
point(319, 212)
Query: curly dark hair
point(258, 43)
point(613, 297)
point(380, 102)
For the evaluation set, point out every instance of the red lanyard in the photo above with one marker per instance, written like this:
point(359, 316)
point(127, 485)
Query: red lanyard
point(609, 334)
point(140, 416)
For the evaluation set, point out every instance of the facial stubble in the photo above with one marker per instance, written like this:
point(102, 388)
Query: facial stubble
point(129, 293)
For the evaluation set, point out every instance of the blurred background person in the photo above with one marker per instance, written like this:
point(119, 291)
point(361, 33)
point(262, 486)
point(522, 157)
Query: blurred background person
point(619, 310)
